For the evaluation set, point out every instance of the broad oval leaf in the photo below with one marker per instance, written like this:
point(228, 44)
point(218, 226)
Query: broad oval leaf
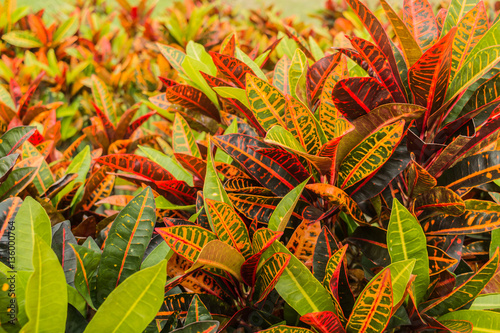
point(133, 304)
point(186, 240)
point(369, 155)
point(127, 240)
point(46, 292)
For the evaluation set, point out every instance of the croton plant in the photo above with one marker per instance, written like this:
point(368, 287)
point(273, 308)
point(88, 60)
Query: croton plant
point(208, 170)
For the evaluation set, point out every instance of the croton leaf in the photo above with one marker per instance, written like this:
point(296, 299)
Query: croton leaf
point(464, 293)
point(440, 199)
point(232, 68)
point(126, 243)
point(265, 170)
point(373, 307)
point(220, 255)
point(269, 274)
point(136, 164)
point(229, 227)
point(479, 216)
point(472, 171)
point(470, 29)
point(377, 32)
point(406, 240)
point(357, 96)
point(420, 20)
point(428, 77)
point(409, 46)
point(192, 99)
point(266, 102)
point(324, 322)
point(318, 73)
point(186, 240)
point(369, 155)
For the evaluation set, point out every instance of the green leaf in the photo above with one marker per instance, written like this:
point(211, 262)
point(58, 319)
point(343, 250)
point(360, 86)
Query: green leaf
point(66, 29)
point(495, 241)
point(126, 243)
point(197, 311)
point(6, 99)
point(279, 135)
point(482, 321)
point(298, 286)
point(168, 163)
point(192, 67)
point(31, 220)
point(212, 188)
point(297, 76)
point(197, 51)
point(104, 99)
point(160, 252)
point(174, 56)
point(240, 55)
point(281, 215)
point(481, 59)
point(87, 261)
point(220, 155)
point(22, 38)
point(133, 304)
point(486, 302)
point(46, 292)
point(182, 137)
point(234, 93)
point(79, 165)
point(406, 240)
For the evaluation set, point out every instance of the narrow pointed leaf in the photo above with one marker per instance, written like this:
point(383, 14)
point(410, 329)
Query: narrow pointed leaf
point(420, 20)
point(269, 274)
point(355, 97)
point(373, 307)
point(466, 292)
point(406, 240)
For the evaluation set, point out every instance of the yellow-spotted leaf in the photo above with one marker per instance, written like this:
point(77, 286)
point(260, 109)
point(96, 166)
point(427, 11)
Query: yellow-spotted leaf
point(406, 240)
point(470, 29)
point(456, 10)
point(411, 50)
point(220, 255)
point(370, 154)
point(187, 240)
point(229, 227)
point(103, 99)
point(338, 197)
point(439, 260)
point(298, 287)
point(303, 241)
point(266, 102)
point(182, 138)
point(297, 76)
point(269, 274)
point(304, 126)
point(373, 308)
point(332, 270)
point(479, 216)
point(286, 329)
point(480, 60)
point(464, 293)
